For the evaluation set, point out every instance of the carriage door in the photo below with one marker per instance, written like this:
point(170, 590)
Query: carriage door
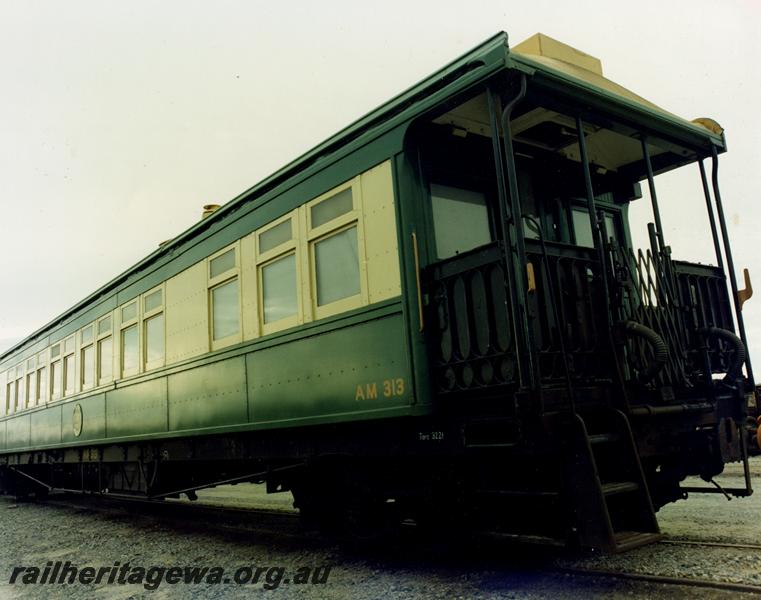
point(470, 324)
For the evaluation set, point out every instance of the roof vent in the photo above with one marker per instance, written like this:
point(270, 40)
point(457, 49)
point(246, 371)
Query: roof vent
point(208, 210)
point(543, 45)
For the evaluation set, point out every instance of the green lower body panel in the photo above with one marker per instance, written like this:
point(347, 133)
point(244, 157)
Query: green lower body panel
point(93, 419)
point(359, 370)
point(137, 409)
point(210, 396)
point(46, 426)
point(352, 370)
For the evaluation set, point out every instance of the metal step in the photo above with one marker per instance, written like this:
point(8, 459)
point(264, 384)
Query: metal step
point(626, 540)
point(619, 487)
point(604, 438)
point(519, 493)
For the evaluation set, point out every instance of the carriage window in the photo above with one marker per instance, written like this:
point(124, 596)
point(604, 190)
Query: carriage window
point(153, 323)
point(31, 389)
point(273, 237)
point(69, 375)
point(88, 367)
point(105, 354)
point(105, 346)
point(224, 302)
point(130, 354)
point(152, 301)
point(104, 326)
point(582, 228)
point(337, 267)
point(20, 399)
point(129, 312)
point(610, 227)
point(42, 385)
point(222, 264)
point(55, 379)
point(460, 220)
point(154, 340)
point(279, 289)
point(335, 206)
point(335, 264)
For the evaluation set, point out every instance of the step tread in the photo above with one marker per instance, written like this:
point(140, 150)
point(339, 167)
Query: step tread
point(529, 493)
point(626, 540)
point(619, 487)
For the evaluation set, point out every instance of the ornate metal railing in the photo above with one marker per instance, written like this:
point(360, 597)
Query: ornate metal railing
point(470, 322)
point(677, 300)
point(568, 301)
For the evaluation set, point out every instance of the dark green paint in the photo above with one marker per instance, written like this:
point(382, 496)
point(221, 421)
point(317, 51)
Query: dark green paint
point(208, 396)
point(296, 378)
point(137, 410)
point(18, 431)
point(93, 419)
point(46, 425)
point(319, 375)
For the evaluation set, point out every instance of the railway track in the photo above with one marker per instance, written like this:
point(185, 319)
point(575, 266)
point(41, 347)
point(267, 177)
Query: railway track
point(228, 517)
point(666, 580)
point(286, 523)
point(711, 544)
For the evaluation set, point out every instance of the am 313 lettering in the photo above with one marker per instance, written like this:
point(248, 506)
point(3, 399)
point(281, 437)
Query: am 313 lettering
point(388, 388)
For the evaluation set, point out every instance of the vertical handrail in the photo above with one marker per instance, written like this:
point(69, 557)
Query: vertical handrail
point(520, 243)
point(711, 219)
point(728, 254)
point(511, 286)
point(653, 194)
point(598, 242)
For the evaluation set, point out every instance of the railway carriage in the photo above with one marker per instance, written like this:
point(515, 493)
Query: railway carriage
point(436, 314)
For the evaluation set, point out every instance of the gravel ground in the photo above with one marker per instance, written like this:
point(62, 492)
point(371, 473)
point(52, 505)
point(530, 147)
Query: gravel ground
point(34, 534)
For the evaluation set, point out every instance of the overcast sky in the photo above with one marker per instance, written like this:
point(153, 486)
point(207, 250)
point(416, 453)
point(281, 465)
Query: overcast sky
point(118, 121)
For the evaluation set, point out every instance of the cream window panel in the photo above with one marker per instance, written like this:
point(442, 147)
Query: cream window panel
point(87, 357)
point(381, 243)
point(12, 397)
point(4, 394)
point(187, 314)
point(278, 274)
point(31, 382)
point(336, 251)
point(224, 297)
point(249, 287)
point(19, 398)
point(70, 376)
point(105, 350)
point(55, 377)
point(129, 338)
point(154, 330)
point(43, 387)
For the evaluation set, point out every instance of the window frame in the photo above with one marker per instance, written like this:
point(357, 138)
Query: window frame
point(30, 377)
point(322, 232)
point(99, 338)
point(83, 346)
point(43, 387)
point(264, 259)
point(147, 316)
point(20, 396)
point(56, 360)
point(123, 326)
point(218, 281)
point(65, 392)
